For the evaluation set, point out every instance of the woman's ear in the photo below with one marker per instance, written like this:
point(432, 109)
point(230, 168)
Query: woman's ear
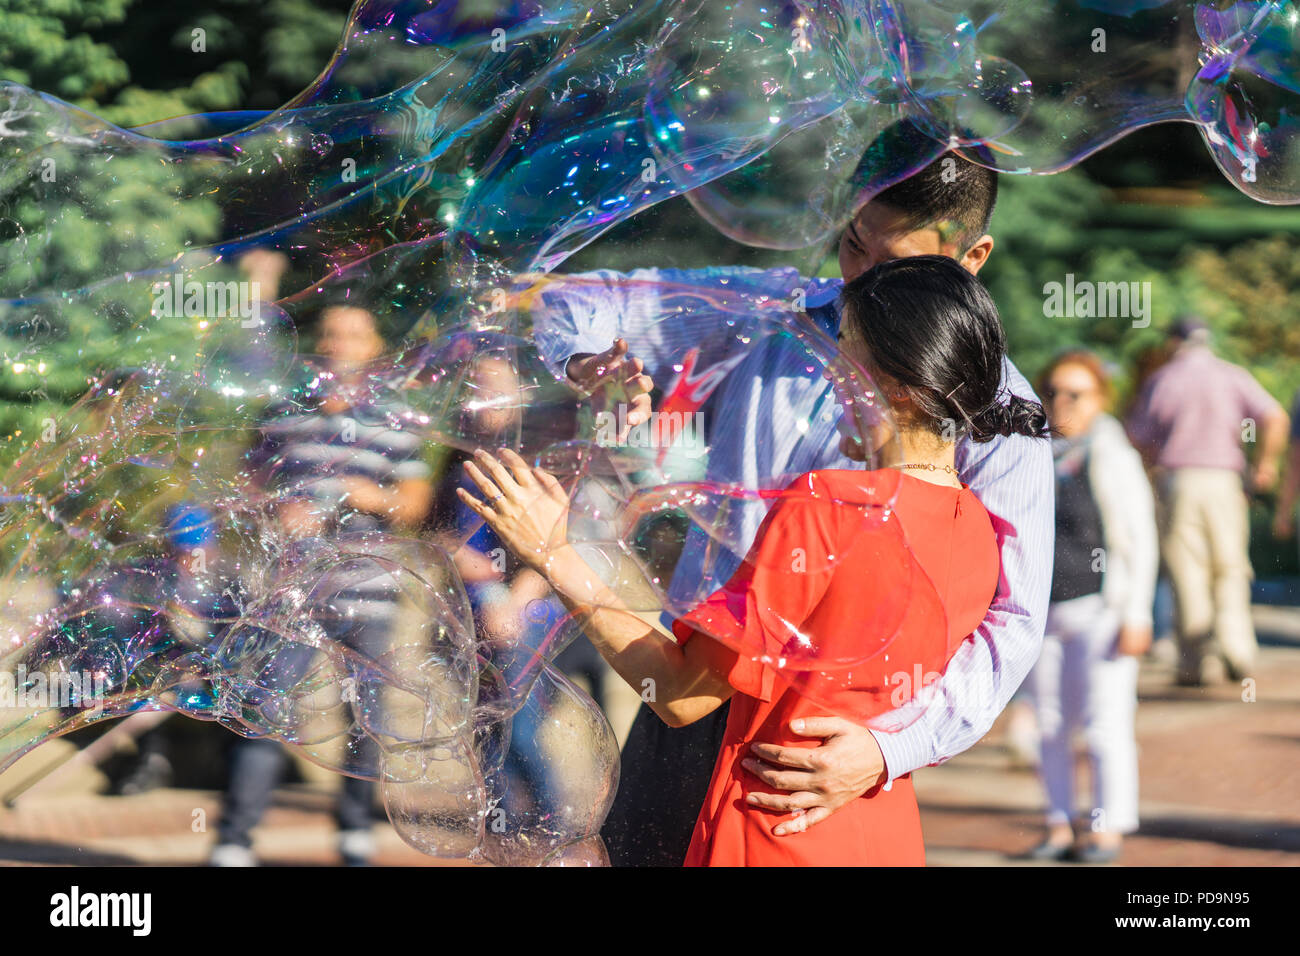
point(893, 390)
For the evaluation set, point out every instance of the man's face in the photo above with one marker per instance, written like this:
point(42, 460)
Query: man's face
point(349, 338)
point(877, 234)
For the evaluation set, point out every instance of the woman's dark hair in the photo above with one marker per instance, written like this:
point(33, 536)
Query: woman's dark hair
point(932, 327)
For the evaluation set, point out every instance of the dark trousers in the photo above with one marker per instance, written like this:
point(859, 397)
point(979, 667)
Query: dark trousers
point(664, 778)
point(257, 765)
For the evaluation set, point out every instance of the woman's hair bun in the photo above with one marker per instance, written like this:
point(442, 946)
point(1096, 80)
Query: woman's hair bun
point(1019, 416)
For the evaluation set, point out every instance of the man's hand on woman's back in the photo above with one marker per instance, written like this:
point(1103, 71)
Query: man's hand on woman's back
point(821, 779)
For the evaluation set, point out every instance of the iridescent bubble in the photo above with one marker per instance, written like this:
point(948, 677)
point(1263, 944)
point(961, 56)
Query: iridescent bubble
point(161, 301)
point(321, 143)
point(435, 798)
point(558, 776)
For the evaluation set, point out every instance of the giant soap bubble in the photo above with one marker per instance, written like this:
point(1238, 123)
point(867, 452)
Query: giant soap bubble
point(183, 520)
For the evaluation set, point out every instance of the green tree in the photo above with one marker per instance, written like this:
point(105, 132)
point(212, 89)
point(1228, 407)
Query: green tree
point(140, 61)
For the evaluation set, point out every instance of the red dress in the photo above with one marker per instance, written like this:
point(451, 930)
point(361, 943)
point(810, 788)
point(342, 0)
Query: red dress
point(854, 580)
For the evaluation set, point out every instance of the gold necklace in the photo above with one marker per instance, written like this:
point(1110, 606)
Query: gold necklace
point(928, 466)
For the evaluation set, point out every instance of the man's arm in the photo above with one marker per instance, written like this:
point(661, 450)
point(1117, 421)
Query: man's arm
point(661, 313)
point(1272, 442)
point(580, 315)
point(1015, 482)
point(1142, 429)
point(1289, 494)
point(405, 503)
point(615, 335)
point(404, 493)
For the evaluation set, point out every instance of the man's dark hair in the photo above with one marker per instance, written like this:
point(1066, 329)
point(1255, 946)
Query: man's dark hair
point(1190, 328)
point(949, 191)
point(316, 317)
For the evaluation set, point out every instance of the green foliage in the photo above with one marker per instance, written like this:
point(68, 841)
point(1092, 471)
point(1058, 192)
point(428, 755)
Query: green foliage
point(48, 47)
point(1202, 246)
point(301, 42)
point(102, 215)
point(1211, 252)
point(134, 62)
point(1252, 296)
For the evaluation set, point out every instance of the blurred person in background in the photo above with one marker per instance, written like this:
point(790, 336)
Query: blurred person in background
point(1099, 621)
point(203, 597)
point(344, 466)
point(1285, 517)
point(1189, 423)
point(514, 609)
point(1164, 646)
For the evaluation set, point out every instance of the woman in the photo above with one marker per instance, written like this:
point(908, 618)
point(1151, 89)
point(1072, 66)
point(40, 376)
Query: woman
point(930, 337)
point(1099, 621)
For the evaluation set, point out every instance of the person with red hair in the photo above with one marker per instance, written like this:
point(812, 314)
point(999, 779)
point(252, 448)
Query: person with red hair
point(1100, 620)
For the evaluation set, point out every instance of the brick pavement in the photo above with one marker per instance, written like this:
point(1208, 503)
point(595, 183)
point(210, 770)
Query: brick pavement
point(1220, 786)
point(1219, 777)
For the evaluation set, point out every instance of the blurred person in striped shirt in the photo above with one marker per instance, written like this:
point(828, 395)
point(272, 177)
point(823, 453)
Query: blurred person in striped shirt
point(347, 465)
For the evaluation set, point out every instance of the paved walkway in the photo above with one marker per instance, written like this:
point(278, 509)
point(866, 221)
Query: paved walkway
point(1220, 777)
point(1220, 786)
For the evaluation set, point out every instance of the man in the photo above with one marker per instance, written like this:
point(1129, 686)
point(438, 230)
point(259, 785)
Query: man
point(944, 208)
point(346, 466)
point(1190, 421)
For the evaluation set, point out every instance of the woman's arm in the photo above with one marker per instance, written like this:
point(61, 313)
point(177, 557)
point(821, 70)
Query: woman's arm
point(527, 508)
point(1139, 513)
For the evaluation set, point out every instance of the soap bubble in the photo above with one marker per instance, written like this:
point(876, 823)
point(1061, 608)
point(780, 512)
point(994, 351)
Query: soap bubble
point(161, 299)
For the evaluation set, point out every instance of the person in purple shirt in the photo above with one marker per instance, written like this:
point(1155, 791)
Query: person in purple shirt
point(1190, 422)
point(781, 419)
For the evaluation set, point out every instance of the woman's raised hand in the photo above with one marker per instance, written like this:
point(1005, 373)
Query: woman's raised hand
point(526, 507)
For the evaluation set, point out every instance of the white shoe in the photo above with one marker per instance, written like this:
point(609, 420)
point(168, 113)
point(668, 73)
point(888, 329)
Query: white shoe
point(231, 854)
point(1164, 650)
point(356, 847)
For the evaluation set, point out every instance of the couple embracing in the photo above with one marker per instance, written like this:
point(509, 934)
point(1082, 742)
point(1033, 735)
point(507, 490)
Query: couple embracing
point(732, 764)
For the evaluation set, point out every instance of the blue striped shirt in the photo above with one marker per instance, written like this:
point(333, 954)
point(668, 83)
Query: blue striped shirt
point(308, 453)
point(773, 418)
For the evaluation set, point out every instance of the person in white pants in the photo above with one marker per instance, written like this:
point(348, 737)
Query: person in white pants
point(1100, 618)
